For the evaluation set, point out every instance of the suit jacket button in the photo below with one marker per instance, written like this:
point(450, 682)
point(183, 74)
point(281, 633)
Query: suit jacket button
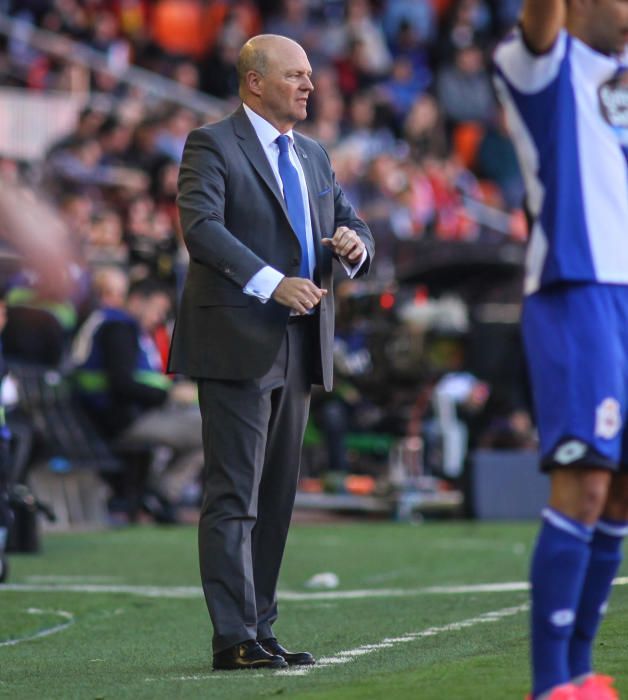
point(295, 261)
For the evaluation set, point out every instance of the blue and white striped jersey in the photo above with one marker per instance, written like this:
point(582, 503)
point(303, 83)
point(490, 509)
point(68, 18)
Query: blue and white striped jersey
point(567, 112)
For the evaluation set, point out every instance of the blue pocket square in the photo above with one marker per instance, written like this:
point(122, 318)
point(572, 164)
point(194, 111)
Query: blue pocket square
point(324, 192)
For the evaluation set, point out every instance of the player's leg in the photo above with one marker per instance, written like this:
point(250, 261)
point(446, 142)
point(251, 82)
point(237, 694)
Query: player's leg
point(558, 570)
point(606, 545)
point(578, 392)
point(606, 557)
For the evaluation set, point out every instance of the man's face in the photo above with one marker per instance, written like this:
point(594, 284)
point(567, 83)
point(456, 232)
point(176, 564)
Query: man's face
point(286, 86)
point(152, 311)
point(608, 25)
point(114, 291)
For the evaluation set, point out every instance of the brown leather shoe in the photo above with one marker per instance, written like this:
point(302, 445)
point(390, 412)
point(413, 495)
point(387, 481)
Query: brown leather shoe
point(294, 658)
point(246, 655)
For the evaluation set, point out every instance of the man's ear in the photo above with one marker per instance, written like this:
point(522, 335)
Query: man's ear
point(254, 83)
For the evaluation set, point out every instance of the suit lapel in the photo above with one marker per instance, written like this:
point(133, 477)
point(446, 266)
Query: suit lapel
point(252, 149)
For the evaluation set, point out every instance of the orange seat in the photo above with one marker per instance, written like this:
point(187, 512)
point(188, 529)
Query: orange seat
point(177, 26)
point(466, 141)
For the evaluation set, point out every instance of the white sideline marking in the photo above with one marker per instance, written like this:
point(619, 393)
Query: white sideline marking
point(348, 655)
point(71, 579)
point(144, 591)
point(284, 596)
point(204, 677)
point(68, 617)
point(481, 588)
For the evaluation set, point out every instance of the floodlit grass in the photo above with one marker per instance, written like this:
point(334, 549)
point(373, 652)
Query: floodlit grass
point(129, 645)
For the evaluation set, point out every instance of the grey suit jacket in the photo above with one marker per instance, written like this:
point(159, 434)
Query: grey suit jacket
point(235, 222)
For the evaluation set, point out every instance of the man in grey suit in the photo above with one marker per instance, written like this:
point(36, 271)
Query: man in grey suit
point(262, 217)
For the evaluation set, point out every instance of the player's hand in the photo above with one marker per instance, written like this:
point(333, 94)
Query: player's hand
point(346, 244)
point(299, 294)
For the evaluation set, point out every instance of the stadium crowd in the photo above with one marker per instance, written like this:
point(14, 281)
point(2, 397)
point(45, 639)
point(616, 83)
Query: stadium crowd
point(403, 103)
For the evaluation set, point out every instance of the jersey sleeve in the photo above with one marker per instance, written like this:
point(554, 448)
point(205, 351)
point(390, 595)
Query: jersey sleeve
point(525, 71)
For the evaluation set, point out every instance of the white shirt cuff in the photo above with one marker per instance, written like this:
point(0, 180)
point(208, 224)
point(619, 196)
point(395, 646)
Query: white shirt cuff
point(263, 283)
point(352, 270)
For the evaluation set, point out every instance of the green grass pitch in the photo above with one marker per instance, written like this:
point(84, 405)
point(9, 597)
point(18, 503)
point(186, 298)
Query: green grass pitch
point(119, 614)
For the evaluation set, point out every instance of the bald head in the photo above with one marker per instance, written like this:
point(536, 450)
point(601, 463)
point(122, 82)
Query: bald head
point(260, 53)
point(275, 79)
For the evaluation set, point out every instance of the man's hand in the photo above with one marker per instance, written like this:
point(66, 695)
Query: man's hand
point(299, 294)
point(346, 244)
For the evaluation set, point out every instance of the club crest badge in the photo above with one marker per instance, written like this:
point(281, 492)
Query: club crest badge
point(613, 97)
point(608, 419)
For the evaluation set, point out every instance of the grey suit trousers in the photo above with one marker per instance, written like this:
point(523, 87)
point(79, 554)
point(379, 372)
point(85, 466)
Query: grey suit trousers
point(252, 436)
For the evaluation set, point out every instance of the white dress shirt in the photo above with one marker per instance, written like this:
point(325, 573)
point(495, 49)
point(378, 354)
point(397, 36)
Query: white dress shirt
point(263, 283)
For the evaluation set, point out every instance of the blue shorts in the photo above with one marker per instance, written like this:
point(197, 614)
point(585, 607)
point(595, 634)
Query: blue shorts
point(576, 343)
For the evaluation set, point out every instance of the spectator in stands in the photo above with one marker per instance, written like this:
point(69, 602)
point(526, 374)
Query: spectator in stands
point(349, 166)
point(120, 383)
point(466, 23)
point(79, 162)
point(219, 75)
point(186, 73)
point(416, 14)
point(415, 213)
point(404, 85)
point(76, 210)
point(105, 245)
point(143, 150)
point(173, 132)
point(424, 129)
point(293, 20)
point(362, 27)
point(497, 161)
point(413, 46)
point(117, 375)
point(355, 69)
point(81, 165)
point(506, 13)
point(106, 38)
point(89, 122)
point(111, 286)
point(326, 123)
point(114, 138)
point(464, 88)
point(152, 241)
point(164, 189)
point(227, 17)
point(362, 132)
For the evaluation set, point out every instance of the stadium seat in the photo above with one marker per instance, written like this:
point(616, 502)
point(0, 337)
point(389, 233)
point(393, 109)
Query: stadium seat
point(466, 141)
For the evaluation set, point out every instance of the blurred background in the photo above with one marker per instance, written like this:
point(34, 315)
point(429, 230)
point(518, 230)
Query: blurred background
point(430, 414)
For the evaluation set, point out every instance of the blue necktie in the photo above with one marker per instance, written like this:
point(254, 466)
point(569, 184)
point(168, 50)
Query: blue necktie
point(294, 200)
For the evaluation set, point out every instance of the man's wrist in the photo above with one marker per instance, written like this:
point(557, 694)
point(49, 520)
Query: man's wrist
point(264, 283)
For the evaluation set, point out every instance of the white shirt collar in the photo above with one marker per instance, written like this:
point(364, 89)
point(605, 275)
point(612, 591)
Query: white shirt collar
point(266, 132)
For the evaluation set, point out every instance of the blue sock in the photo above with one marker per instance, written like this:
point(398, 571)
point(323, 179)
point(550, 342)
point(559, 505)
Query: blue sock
point(559, 566)
point(606, 556)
